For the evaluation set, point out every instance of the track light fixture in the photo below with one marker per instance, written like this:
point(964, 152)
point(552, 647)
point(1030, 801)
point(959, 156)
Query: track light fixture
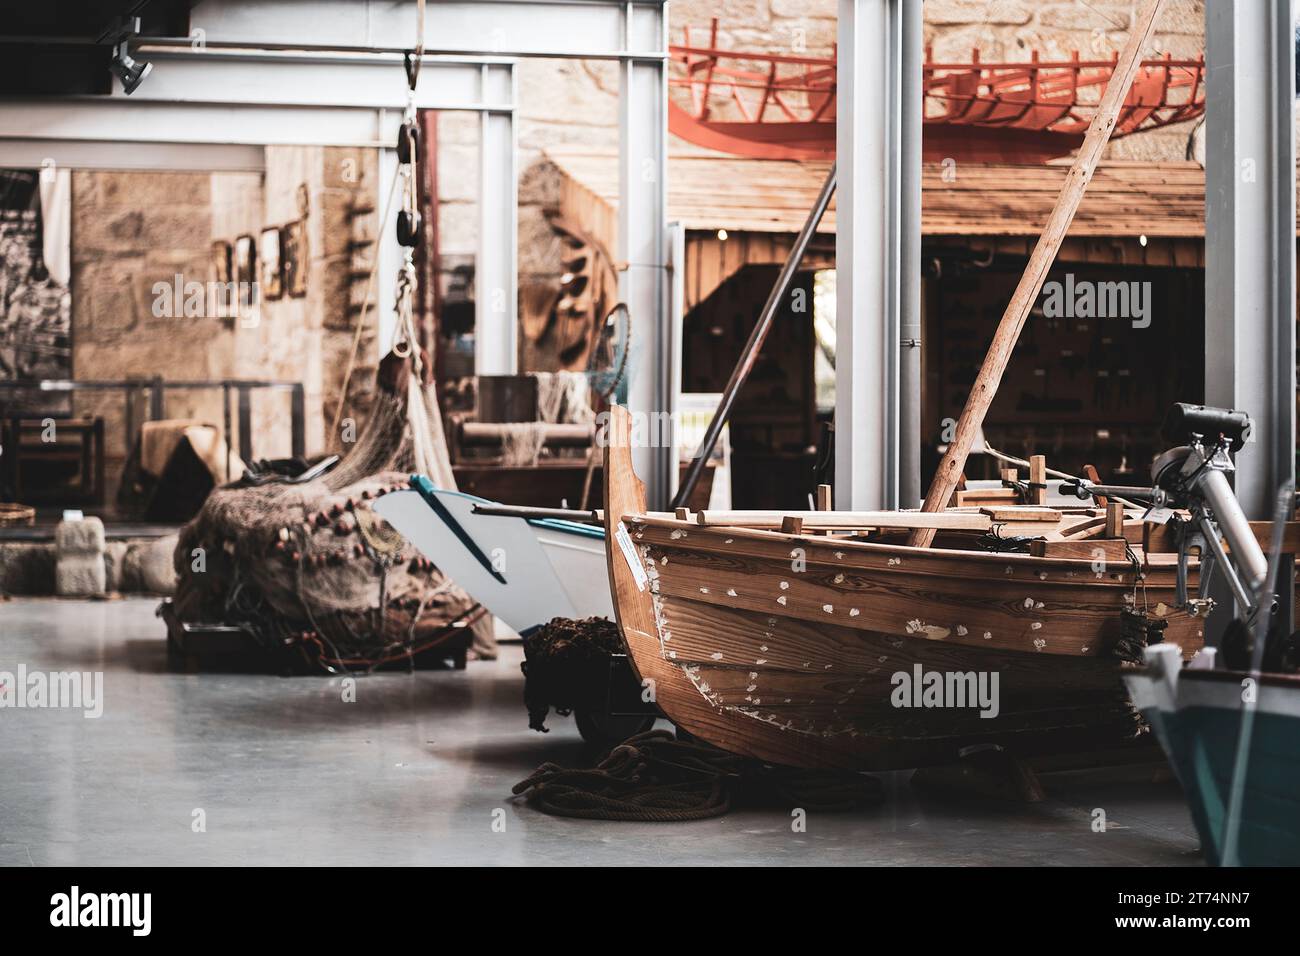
point(129, 71)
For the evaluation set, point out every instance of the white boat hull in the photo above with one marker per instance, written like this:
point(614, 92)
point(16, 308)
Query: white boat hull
point(524, 571)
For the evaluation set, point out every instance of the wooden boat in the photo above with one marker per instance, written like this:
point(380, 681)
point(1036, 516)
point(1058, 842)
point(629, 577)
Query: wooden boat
point(1197, 713)
point(802, 648)
point(789, 647)
point(782, 106)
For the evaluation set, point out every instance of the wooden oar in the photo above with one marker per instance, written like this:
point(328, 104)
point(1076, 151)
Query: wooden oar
point(1031, 283)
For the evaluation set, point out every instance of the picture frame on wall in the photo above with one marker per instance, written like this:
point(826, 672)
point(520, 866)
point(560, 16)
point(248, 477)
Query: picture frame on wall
point(270, 265)
point(293, 251)
point(245, 268)
point(220, 267)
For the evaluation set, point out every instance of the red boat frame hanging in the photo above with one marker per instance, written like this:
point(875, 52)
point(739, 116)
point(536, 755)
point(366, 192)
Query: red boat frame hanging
point(782, 106)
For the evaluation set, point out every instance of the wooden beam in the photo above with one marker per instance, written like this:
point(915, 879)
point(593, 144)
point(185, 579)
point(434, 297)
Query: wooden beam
point(773, 520)
point(987, 497)
point(1159, 538)
point(1037, 480)
point(1083, 528)
point(1021, 514)
point(1031, 282)
point(1114, 520)
point(1108, 550)
point(824, 498)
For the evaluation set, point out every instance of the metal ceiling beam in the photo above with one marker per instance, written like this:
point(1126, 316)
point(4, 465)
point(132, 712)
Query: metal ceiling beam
point(81, 154)
point(112, 121)
point(585, 29)
point(1250, 243)
point(367, 81)
point(269, 99)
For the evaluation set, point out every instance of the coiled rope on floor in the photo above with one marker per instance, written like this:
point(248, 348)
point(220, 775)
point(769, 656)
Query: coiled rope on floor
point(655, 778)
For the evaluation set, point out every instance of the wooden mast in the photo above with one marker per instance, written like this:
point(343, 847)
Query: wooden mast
point(1031, 282)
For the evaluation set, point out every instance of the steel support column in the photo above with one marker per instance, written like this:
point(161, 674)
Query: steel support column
point(643, 245)
point(877, 232)
point(1250, 228)
point(496, 274)
point(676, 318)
point(910, 490)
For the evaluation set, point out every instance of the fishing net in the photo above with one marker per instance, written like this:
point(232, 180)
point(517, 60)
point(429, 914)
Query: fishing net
point(563, 661)
point(310, 563)
point(564, 397)
point(521, 442)
point(404, 432)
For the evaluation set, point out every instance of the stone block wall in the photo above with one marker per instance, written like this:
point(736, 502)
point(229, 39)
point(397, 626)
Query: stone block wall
point(131, 230)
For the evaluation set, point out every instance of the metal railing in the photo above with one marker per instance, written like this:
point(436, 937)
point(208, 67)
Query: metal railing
point(239, 390)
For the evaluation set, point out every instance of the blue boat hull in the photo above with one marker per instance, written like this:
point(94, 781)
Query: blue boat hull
point(1201, 743)
point(1197, 717)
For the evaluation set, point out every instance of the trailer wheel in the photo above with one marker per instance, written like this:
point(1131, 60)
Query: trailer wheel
point(610, 730)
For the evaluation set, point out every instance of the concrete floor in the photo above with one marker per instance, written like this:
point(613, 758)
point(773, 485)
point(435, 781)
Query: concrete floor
point(285, 772)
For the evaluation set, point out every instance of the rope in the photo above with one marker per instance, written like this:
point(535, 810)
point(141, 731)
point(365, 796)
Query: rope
point(655, 778)
point(1050, 472)
point(650, 777)
point(412, 61)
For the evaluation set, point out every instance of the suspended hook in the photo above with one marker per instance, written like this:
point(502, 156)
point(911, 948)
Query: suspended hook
point(411, 61)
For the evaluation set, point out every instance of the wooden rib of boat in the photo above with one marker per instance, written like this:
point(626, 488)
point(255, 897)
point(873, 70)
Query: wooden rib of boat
point(786, 647)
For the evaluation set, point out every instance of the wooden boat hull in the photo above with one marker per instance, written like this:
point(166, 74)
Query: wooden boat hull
point(789, 648)
point(1196, 715)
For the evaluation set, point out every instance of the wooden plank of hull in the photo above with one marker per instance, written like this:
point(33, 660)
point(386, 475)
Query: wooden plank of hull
point(1097, 548)
point(997, 569)
point(793, 651)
